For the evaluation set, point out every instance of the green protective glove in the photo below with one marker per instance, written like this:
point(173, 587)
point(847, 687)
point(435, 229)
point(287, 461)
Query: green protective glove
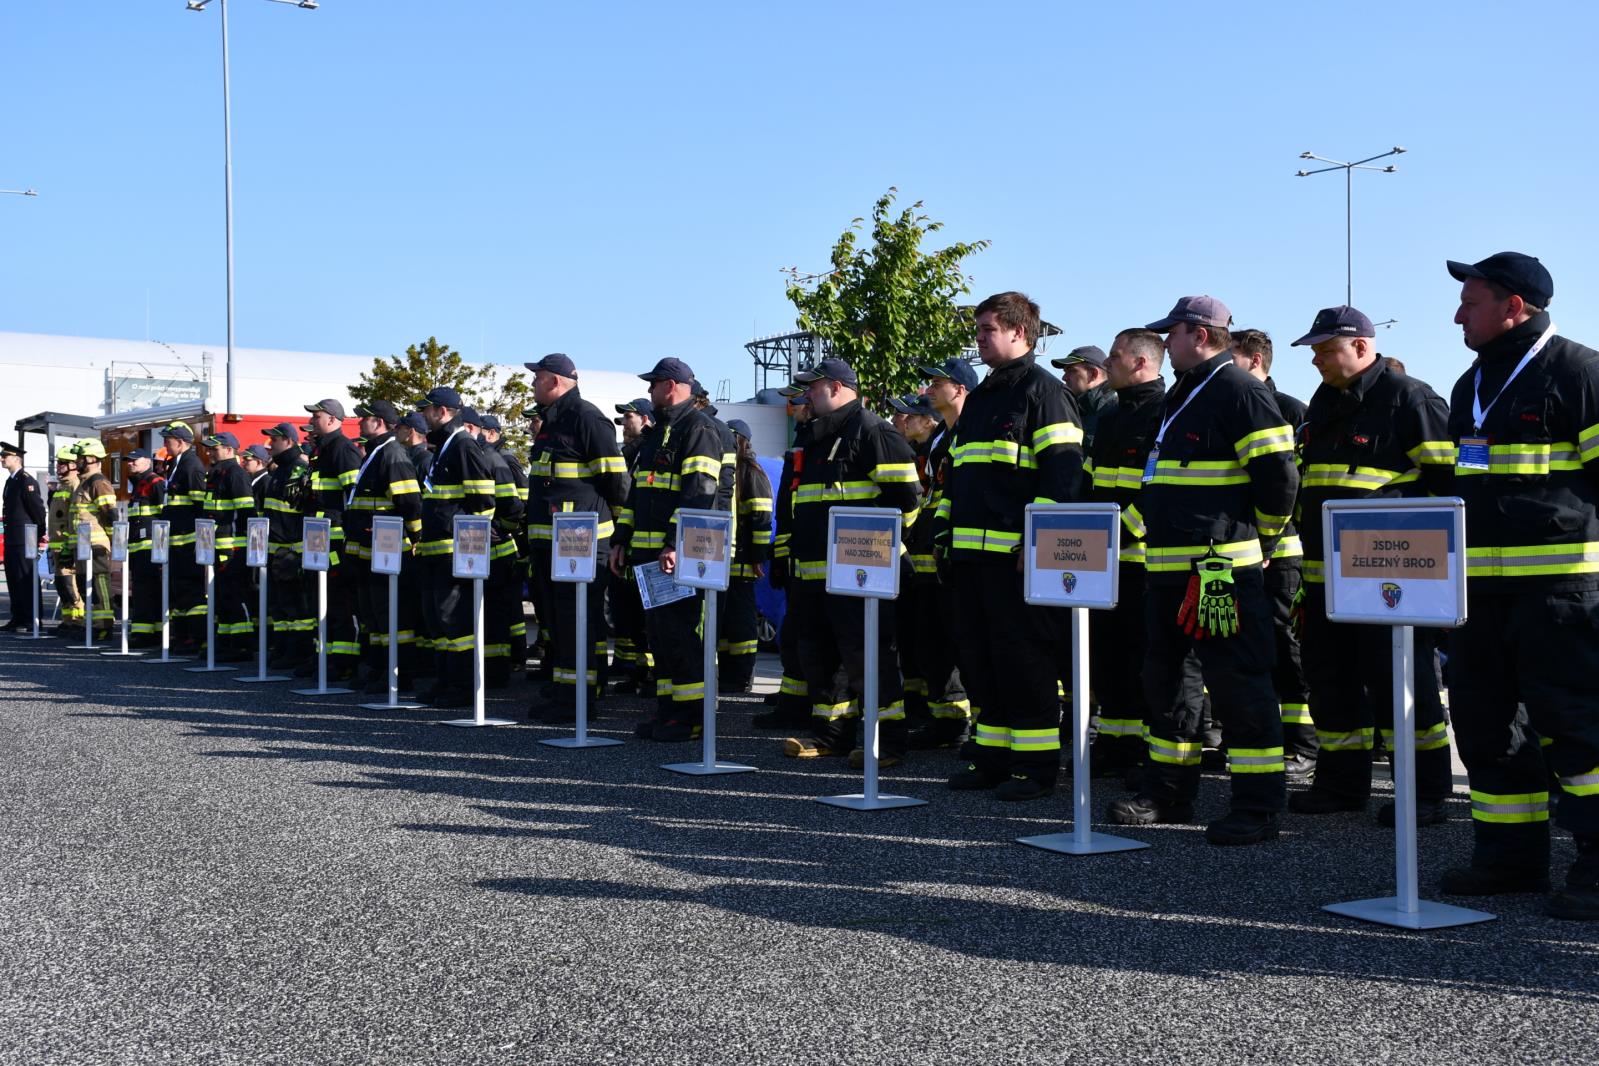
point(1218, 604)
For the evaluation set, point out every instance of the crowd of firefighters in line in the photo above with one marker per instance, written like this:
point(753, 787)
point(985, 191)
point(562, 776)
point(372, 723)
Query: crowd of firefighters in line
point(1221, 474)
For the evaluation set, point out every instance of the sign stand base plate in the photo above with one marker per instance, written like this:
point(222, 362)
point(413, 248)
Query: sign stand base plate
point(700, 769)
point(400, 705)
point(218, 669)
point(468, 723)
point(859, 802)
point(321, 691)
point(586, 742)
point(253, 679)
point(168, 659)
point(1068, 844)
point(130, 653)
point(1428, 915)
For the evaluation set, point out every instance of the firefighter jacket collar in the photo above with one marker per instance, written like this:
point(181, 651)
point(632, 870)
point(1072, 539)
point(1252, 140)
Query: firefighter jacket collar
point(665, 416)
point(221, 465)
point(289, 457)
point(374, 443)
point(568, 399)
point(1142, 393)
point(1365, 381)
point(1005, 376)
point(1196, 374)
point(831, 424)
point(445, 432)
point(1514, 342)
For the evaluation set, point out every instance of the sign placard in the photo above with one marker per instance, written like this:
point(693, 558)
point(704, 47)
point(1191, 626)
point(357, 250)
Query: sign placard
point(42, 566)
point(255, 541)
point(704, 548)
point(83, 546)
point(119, 542)
point(574, 539)
point(657, 588)
point(863, 551)
point(388, 544)
point(317, 542)
point(205, 540)
point(471, 547)
point(30, 541)
point(160, 542)
point(1396, 562)
point(1071, 552)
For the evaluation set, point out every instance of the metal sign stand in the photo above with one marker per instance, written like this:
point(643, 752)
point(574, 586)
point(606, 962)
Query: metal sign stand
point(261, 675)
point(581, 739)
point(1082, 840)
point(166, 606)
point(85, 555)
point(322, 688)
point(121, 536)
point(394, 702)
point(210, 666)
point(479, 711)
point(868, 799)
point(708, 764)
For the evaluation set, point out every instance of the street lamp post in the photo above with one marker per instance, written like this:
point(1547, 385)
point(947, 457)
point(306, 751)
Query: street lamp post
point(1349, 229)
point(227, 164)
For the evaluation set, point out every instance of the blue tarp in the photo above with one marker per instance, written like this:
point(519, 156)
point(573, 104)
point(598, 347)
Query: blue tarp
point(769, 601)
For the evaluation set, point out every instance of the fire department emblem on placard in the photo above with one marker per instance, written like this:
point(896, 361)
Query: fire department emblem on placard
point(1391, 594)
point(860, 579)
point(571, 566)
point(1068, 581)
point(700, 566)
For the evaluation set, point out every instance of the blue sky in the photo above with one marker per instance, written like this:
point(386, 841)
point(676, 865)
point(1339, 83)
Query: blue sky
point(622, 182)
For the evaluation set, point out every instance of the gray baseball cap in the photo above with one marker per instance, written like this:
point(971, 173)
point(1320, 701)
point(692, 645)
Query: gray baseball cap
point(1197, 310)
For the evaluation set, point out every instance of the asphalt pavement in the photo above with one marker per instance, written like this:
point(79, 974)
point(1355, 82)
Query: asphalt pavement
point(197, 870)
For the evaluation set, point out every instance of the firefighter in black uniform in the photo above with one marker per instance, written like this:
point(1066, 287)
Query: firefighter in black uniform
point(1371, 432)
point(502, 593)
point(854, 459)
point(386, 486)
point(1084, 372)
point(1284, 576)
point(1218, 490)
point(185, 497)
point(1018, 441)
point(24, 506)
point(412, 434)
point(627, 610)
point(288, 490)
point(1525, 421)
point(738, 642)
point(510, 596)
point(1121, 446)
point(255, 461)
point(146, 493)
point(460, 482)
point(333, 472)
point(228, 503)
point(576, 466)
point(679, 466)
point(792, 699)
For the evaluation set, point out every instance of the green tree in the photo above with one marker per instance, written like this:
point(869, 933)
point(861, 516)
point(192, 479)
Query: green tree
point(891, 306)
point(402, 379)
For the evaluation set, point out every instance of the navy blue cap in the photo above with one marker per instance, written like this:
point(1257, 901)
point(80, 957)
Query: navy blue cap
point(670, 370)
point(286, 430)
point(903, 404)
point(491, 422)
point(698, 389)
point(1341, 321)
point(470, 417)
point(329, 407)
point(415, 421)
point(226, 440)
point(640, 406)
point(378, 409)
point(555, 363)
point(444, 396)
point(1521, 274)
point(530, 413)
point(956, 369)
point(259, 453)
point(923, 405)
point(1088, 353)
point(137, 453)
point(741, 427)
point(177, 431)
point(829, 370)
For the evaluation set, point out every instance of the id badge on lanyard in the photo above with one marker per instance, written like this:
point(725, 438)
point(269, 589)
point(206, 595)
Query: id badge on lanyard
point(1149, 465)
point(1473, 454)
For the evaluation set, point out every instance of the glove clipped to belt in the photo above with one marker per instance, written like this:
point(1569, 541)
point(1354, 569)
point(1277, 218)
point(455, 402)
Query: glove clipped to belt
point(1210, 606)
point(1296, 613)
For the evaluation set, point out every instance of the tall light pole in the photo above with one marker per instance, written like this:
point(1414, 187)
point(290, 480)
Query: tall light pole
point(1349, 229)
point(227, 164)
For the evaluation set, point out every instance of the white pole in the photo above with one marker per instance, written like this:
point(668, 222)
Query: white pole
point(479, 714)
point(708, 732)
point(37, 580)
point(210, 617)
point(394, 640)
point(227, 191)
point(262, 626)
point(1082, 824)
point(166, 611)
point(127, 563)
point(88, 601)
point(869, 697)
point(321, 630)
point(582, 661)
point(1405, 768)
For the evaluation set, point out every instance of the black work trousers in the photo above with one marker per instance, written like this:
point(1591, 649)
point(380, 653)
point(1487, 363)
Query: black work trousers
point(793, 692)
point(1009, 655)
point(232, 590)
point(675, 638)
point(1238, 672)
point(19, 584)
point(1521, 675)
point(1283, 580)
point(559, 625)
point(929, 644)
point(1350, 670)
point(292, 614)
point(144, 587)
point(832, 649)
point(1116, 663)
point(737, 642)
point(627, 616)
point(447, 611)
point(344, 594)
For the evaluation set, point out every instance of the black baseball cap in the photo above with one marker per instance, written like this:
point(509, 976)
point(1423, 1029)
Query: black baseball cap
point(670, 370)
point(415, 421)
point(491, 421)
point(1198, 310)
point(286, 430)
point(177, 431)
point(555, 363)
point(829, 370)
point(902, 404)
point(225, 440)
point(741, 427)
point(259, 453)
point(1521, 274)
point(1341, 321)
point(329, 407)
point(442, 396)
point(470, 417)
point(955, 369)
point(378, 409)
point(1088, 353)
point(640, 406)
point(923, 405)
point(137, 453)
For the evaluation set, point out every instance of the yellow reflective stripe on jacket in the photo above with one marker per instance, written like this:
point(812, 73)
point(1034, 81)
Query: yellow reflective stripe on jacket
point(841, 490)
point(1314, 571)
point(1007, 452)
point(1588, 443)
point(1341, 476)
point(1206, 472)
point(1056, 433)
point(478, 486)
point(894, 474)
point(1169, 560)
point(400, 488)
point(1522, 459)
point(810, 570)
point(1270, 525)
point(1264, 442)
point(1586, 784)
point(1510, 809)
point(709, 465)
point(445, 492)
point(1134, 521)
point(1288, 548)
point(1119, 477)
point(969, 538)
point(1533, 560)
point(1433, 453)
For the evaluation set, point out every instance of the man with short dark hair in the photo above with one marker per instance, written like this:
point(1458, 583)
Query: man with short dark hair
point(185, 499)
point(1525, 419)
point(1019, 440)
point(146, 493)
point(1085, 375)
point(228, 502)
point(1218, 489)
point(333, 473)
point(287, 496)
point(385, 486)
